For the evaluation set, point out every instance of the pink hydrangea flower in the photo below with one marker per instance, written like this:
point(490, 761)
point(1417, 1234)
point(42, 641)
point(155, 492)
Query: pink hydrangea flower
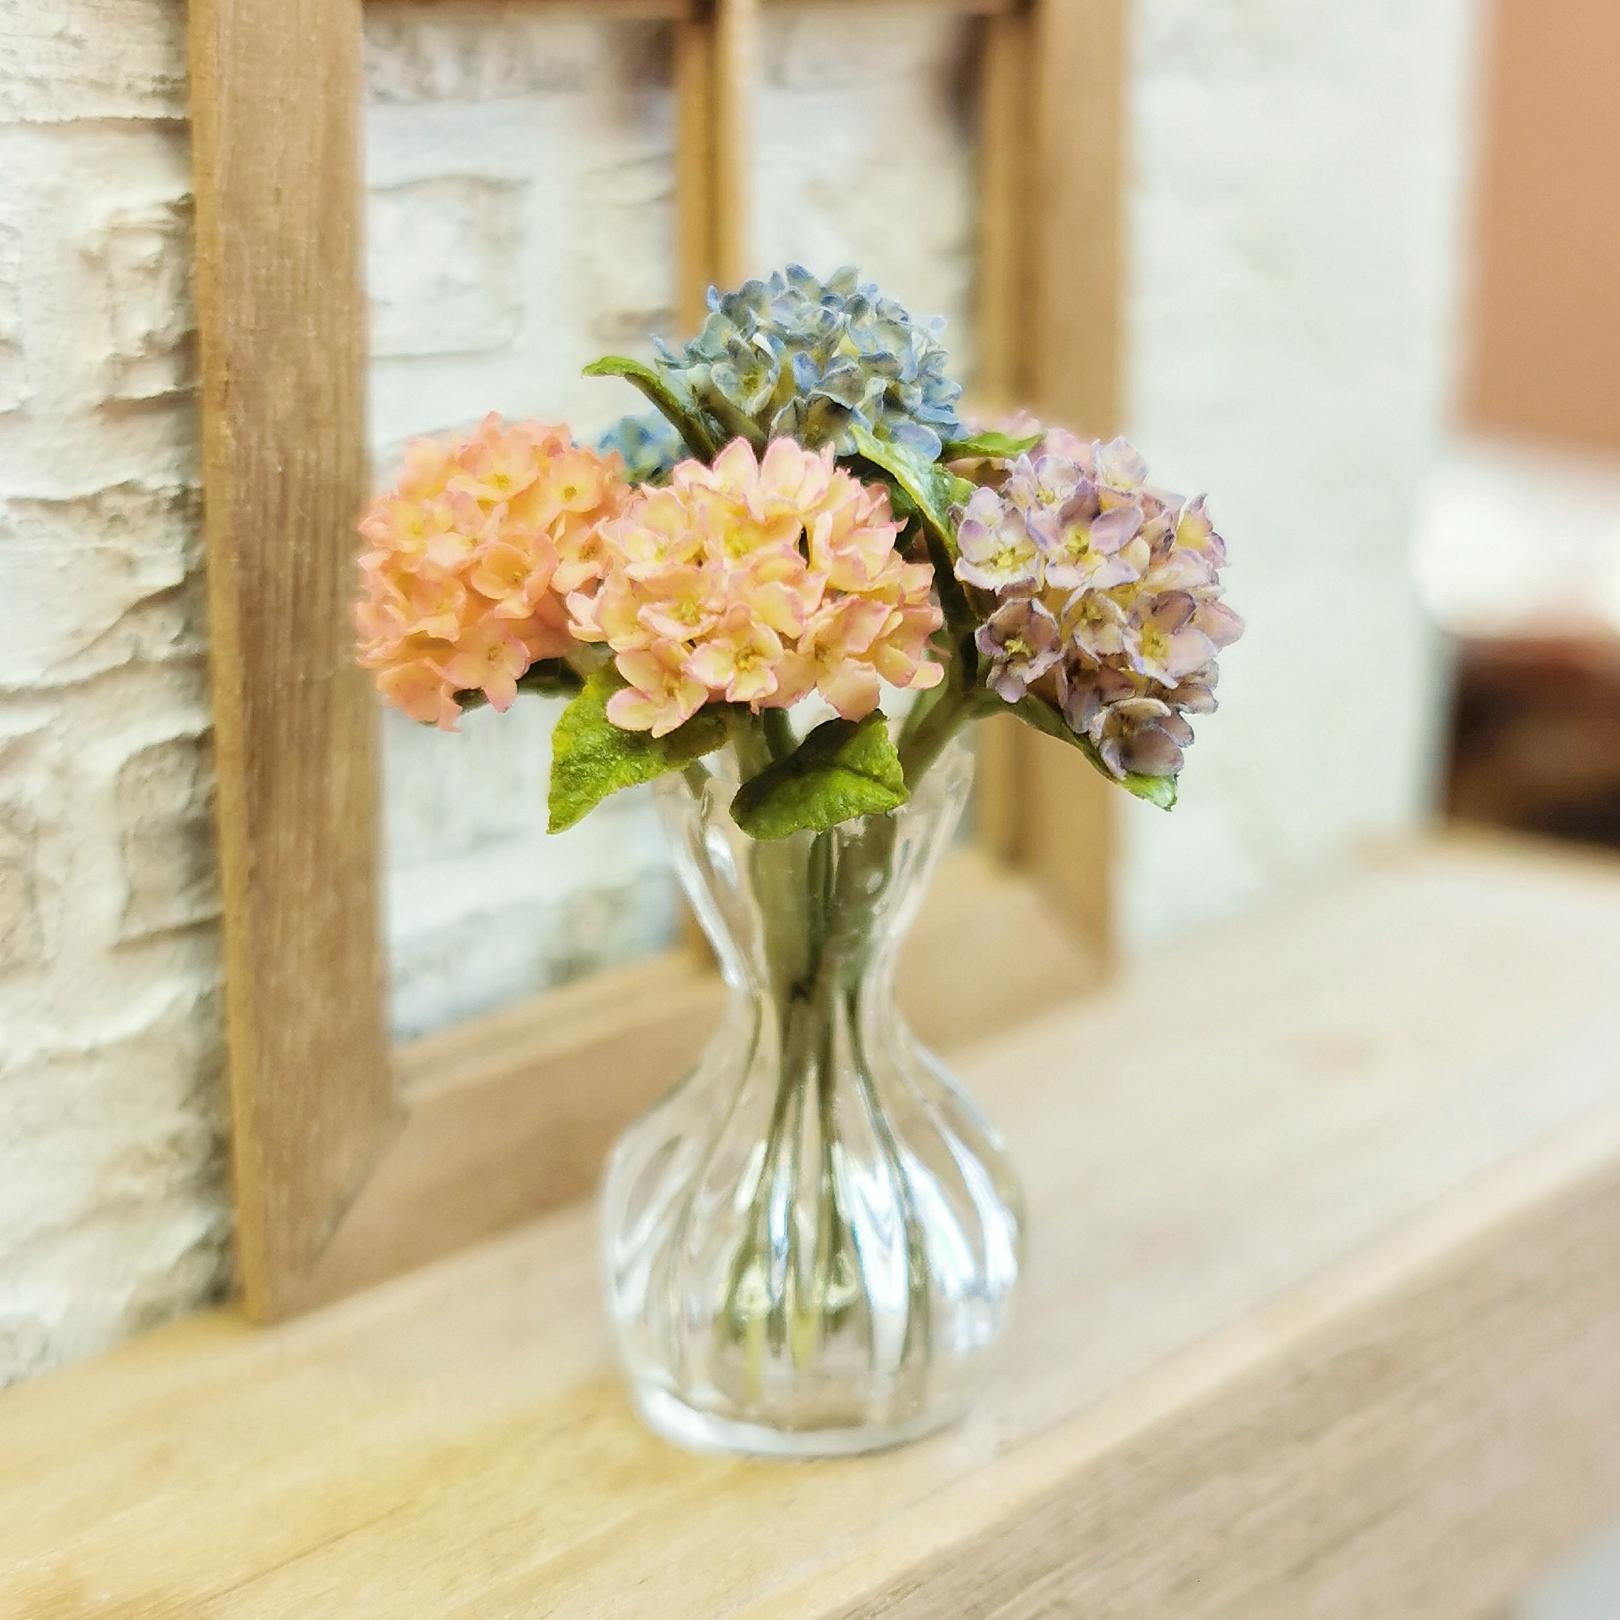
point(757, 580)
point(468, 559)
point(662, 693)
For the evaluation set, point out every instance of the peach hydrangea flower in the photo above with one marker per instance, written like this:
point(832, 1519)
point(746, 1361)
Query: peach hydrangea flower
point(469, 557)
point(757, 580)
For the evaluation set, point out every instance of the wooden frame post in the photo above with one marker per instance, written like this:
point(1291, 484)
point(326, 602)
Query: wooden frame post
point(275, 89)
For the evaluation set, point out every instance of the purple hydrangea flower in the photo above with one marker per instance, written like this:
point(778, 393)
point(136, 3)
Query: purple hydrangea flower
point(996, 552)
point(1022, 641)
point(1113, 585)
point(1163, 641)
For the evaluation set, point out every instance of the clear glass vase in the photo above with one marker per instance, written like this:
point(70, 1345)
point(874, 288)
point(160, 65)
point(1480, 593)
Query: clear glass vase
point(811, 1243)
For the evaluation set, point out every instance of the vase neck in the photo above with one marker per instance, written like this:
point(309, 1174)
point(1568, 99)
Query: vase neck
point(813, 915)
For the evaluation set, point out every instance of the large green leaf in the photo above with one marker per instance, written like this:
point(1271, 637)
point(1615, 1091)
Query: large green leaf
point(1037, 712)
point(591, 757)
point(1003, 446)
point(683, 414)
point(843, 769)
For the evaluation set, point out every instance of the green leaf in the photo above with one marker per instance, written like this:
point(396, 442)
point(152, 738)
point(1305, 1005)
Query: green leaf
point(734, 420)
point(683, 415)
point(591, 757)
point(928, 492)
point(1037, 712)
point(1000, 445)
point(930, 489)
point(843, 769)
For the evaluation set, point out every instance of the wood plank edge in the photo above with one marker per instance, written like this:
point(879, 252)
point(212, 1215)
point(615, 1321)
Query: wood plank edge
point(1435, 1412)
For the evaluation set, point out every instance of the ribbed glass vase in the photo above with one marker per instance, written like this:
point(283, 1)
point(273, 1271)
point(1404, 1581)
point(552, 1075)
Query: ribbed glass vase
point(811, 1243)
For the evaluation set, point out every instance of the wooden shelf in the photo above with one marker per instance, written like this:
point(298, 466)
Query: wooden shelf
point(1322, 1318)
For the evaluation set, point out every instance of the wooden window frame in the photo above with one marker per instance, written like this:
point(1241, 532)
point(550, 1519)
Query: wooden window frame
point(355, 1158)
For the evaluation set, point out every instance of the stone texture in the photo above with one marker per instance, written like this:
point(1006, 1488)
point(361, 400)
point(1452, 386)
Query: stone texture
point(444, 264)
point(22, 929)
point(30, 889)
point(13, 365)
point(71, 59)
point(113, 1211)
point(143, 257)
point(1295, 230)
point(112, 1195)
point(491, 52)
point(867, 156)
point(165, 815)
point(129, 560)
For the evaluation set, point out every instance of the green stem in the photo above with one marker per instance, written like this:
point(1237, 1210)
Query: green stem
point(779, 733)
point(949, 713)
point(751, 742)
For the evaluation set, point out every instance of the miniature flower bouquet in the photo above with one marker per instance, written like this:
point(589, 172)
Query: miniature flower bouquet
point(782, 597)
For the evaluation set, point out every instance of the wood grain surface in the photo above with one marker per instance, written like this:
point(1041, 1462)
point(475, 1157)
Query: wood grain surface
point(1321, 1319)
point(275, 98)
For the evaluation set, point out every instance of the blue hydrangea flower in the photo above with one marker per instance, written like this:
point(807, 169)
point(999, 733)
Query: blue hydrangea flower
point(806, 358)
point(648, 444)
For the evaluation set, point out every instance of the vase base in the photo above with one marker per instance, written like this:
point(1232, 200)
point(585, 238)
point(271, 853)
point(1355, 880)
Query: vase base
point(704, 1431)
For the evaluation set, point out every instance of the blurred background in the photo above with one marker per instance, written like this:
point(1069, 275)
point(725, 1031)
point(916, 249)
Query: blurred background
point(1373, 307)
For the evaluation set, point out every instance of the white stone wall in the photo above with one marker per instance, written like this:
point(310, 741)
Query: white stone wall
point(520, 171)
point(112, 1209)
point(1298, 187)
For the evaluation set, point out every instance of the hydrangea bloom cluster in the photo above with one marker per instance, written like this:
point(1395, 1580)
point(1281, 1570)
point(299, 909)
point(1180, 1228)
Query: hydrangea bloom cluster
point(1106, 598)
point(782, 529)
point(470, 557)
point(756, 581)
point(799, 358)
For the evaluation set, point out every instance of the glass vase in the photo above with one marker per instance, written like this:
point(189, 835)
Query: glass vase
point(811, 1243)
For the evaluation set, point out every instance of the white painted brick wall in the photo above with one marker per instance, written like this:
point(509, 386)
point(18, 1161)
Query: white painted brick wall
point(112, 1207)
point(1293, 185)
point(520, 173)
point(1295, 206)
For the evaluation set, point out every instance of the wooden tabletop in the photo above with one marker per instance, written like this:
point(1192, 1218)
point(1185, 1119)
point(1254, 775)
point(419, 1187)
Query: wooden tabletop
point(1321, 1319)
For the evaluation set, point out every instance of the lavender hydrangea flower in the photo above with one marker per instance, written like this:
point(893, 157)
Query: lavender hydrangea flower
point(1086, 546)
point(1136, 729)
point(800, 357)
point(1105, 598)
point(996, 552)
point(1022, 641)
point(1164, 642)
